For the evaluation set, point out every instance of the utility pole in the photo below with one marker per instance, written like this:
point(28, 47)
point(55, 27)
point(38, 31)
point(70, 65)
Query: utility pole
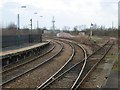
point(53, 21)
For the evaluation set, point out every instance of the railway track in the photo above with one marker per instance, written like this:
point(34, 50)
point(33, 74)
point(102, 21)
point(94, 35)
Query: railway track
point(74, 76)
point(93, 61)
point(17, 71)
point(94, 46)
point(41, 71)
point(71, 62)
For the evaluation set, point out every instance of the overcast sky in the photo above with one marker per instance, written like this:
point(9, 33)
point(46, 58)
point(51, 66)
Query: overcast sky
point(66, 12)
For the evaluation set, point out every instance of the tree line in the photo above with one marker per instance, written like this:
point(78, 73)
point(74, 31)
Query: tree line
point(112, 32)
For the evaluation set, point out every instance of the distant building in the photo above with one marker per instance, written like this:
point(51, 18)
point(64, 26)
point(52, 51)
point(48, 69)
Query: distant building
point(82, 34)
point(119, 14)
point(63, 34)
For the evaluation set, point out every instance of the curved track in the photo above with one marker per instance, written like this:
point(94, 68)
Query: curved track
point(17, 71)
point(65, 68)
point(78, 72)
point(93, 62)
point(48, 62)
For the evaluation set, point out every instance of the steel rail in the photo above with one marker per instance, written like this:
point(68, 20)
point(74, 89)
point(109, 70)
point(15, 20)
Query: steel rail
point(59, 76)
point(85, 61)
point(44, 62)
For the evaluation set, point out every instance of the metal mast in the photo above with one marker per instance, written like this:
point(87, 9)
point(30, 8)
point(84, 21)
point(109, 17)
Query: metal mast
point(53, 21)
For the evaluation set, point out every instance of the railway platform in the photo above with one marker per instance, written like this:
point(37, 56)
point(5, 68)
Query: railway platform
point(14, 53)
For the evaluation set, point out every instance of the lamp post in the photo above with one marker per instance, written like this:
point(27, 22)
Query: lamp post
point(37, 24)
point(18, 18)
point(37, 20)
point(18, 26)
point(41, 16)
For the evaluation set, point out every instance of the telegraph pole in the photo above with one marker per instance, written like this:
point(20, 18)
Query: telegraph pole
point(53, 21)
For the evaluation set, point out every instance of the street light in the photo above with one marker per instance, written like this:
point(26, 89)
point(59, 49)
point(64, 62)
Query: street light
point(18, 27)
point(18, 16)
point(41, 16)
point(37, 20)
point(37, 24)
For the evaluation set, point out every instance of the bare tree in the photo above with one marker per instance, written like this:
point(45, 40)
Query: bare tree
point(12, 26)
